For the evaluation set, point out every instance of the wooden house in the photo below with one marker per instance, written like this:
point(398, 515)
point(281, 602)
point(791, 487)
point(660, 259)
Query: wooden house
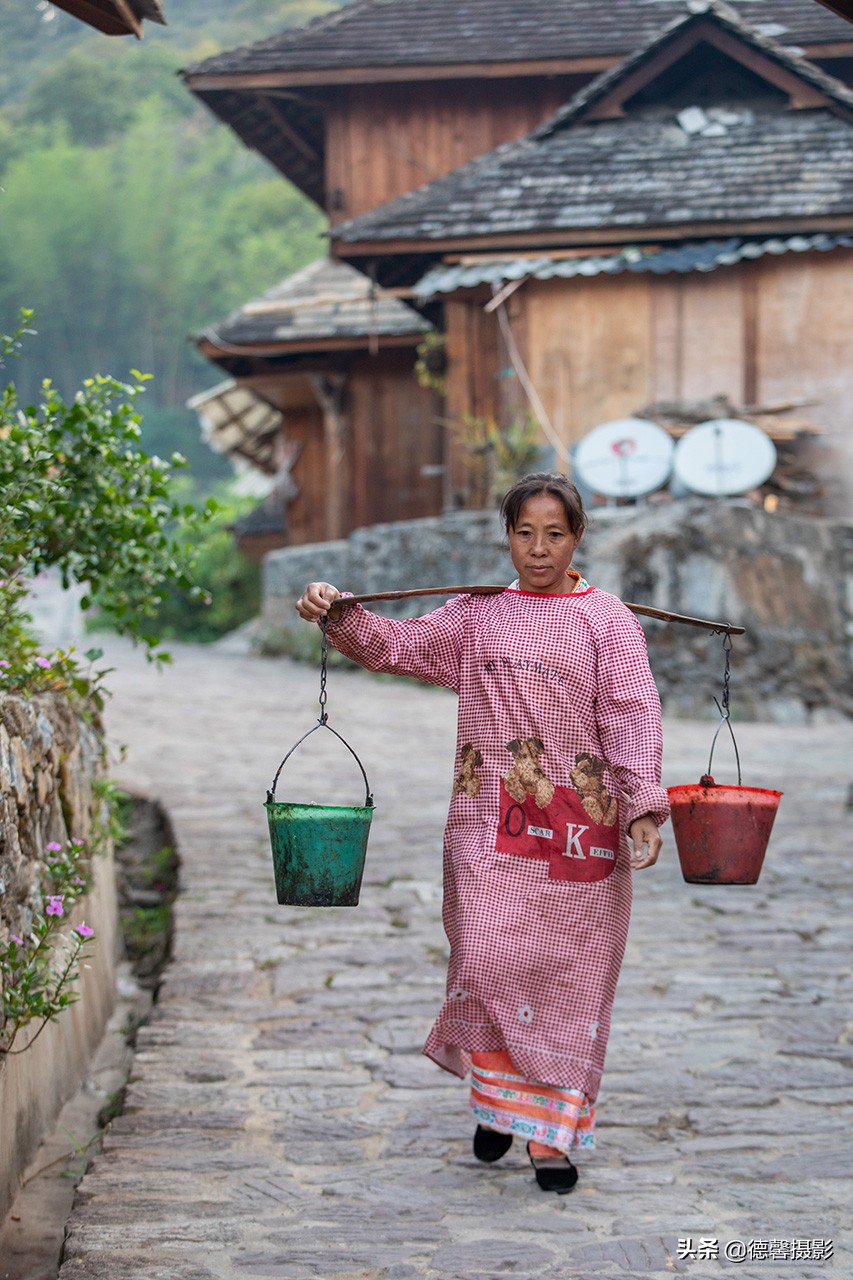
point(353, 438)
point(682, 229)
point(435, 134)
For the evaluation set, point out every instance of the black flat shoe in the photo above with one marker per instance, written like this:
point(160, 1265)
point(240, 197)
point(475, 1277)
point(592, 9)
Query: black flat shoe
point(489, 1145)
point(554, 1173)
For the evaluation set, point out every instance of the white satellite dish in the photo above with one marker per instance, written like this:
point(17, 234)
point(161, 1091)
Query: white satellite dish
point(624, 458)
point(724, 456)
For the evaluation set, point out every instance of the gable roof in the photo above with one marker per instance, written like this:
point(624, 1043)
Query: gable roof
point(598, 171)
point(273, 93)
point(785, 68)
point(443, 33)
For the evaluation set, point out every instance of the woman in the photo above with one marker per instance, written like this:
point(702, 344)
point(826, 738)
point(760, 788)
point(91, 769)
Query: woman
point(557, 764)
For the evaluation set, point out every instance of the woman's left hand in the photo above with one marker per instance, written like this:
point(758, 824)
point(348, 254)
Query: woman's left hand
point(647, 842)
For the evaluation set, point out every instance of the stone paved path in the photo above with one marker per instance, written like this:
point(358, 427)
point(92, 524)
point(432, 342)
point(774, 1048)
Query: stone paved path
point(281, 1121)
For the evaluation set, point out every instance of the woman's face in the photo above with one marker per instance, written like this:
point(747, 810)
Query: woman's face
point(542, 545)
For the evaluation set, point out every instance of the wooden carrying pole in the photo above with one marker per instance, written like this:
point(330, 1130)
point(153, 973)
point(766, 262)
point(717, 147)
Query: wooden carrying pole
point(664, 615)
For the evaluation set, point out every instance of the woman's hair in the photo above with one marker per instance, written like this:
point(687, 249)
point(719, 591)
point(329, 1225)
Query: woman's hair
point(544, 482)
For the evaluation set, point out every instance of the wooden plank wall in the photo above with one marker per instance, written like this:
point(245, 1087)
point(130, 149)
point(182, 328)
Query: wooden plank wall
point(771, 330)
point(588, 348)
point(382, 140)
point(306, 514)
point(475, 357)
point(804, 323)
point(395, 432)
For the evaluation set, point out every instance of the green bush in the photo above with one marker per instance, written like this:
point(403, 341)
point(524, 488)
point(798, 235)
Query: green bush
point(230, 583)
point(77, 493)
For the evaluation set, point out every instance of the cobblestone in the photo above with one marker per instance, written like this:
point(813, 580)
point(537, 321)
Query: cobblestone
point(281, 1121)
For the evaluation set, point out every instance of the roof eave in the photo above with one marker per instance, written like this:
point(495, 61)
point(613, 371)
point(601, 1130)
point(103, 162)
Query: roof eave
point(114, 17)
point(213, 349)
point(844, 8)
point(201, 81)
point(379, 250)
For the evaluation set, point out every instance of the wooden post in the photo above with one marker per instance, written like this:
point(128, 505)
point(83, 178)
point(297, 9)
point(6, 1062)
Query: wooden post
point(329, 389)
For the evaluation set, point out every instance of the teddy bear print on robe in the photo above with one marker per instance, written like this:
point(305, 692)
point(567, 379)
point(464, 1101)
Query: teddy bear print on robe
point(527, 775)
point(588, 779)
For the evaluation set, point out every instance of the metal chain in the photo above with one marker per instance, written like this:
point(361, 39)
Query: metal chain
point(727, 649)
point(725, 717)
point(323, 656)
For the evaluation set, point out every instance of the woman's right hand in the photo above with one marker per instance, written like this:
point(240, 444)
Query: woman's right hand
point(317, 601)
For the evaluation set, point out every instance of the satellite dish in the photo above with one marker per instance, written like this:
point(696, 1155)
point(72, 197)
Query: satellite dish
point(724, 456)
point(625, 458)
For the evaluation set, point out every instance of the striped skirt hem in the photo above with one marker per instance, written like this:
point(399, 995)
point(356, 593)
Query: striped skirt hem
point(500, 1099)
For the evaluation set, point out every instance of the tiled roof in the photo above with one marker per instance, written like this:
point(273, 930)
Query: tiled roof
point(631, 174)
point(325, 300)
point(729, 20)
point(377, 33)
point(659, 165)
point(235, 420)
point(704, 256)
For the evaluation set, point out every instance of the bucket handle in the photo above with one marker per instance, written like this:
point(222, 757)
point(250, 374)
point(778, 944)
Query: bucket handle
point(725, 718)
point(322, 723)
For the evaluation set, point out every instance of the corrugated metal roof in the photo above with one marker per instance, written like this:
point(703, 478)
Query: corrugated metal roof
point(704, 256)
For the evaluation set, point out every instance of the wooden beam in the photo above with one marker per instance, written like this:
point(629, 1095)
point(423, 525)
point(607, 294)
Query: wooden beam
point(321, 346)
point(124, 10)
point(205, 82)
point(288, 130)
point(524, 246)
point(113, 17)
point(801, 92)
point(473, 259)
point(840, 49)
point(329, 390)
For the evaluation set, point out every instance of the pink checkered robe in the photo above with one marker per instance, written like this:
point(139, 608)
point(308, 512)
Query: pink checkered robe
point(559, 726)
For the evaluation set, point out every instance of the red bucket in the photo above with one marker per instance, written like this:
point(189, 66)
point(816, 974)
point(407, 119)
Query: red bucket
point(722, 833)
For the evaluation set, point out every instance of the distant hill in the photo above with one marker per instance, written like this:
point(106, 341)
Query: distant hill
point(35, 35)
point(130, 218)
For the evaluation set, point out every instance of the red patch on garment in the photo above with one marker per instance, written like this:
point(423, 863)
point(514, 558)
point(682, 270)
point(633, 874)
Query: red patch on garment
point(576, 848)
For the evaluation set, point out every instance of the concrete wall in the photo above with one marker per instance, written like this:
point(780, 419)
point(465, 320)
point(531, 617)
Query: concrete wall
point(788, 579)
point(49, 760)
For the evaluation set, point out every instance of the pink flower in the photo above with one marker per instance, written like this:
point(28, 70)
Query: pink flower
point(84, 931)
point(53, 907)
point(4, 663)
point(14, 938)
point(44, 663)
point(53, 847)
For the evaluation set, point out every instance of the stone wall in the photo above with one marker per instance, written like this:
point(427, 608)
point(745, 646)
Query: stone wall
point(49, 761)
point(787, 579)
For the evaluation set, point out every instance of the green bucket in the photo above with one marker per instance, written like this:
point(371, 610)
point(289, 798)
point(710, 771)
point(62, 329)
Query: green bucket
point(318, 850)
